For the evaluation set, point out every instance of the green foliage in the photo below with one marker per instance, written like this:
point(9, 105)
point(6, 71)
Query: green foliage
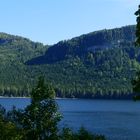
point(96, 65)
point(82, 134)
point(8, 130)
point(39, 120)
point(137, 13)
point(14, 51)
point(80, 46)
point(136, 81)
point(42, 91)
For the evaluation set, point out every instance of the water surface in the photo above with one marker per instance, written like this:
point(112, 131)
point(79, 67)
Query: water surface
point(117, 119)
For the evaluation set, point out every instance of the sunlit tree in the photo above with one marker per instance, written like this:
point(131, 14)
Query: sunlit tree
point(39, 120)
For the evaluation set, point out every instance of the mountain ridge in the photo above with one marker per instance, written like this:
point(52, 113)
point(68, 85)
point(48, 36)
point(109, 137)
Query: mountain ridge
point(88, 42)
point(100, 64)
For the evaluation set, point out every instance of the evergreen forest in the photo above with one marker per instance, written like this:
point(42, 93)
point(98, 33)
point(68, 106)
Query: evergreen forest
point(100, 64)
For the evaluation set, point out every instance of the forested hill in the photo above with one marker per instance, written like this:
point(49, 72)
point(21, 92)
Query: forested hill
point(16, 48)
point(14, 52)
point(100, 64)
point(95, 41)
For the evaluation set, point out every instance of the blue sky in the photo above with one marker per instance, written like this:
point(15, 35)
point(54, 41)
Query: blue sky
point(49, 21)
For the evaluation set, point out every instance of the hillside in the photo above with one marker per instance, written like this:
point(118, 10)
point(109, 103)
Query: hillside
point(100, 64)
point(92, 42)
point(14, 51)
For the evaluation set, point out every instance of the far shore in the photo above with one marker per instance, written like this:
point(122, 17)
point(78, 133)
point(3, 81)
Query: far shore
point(12, 97)
point(30, 97)
point(59, 98)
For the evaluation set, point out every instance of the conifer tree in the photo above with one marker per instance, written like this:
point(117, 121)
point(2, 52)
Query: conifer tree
point(136, 81)
point(39, 120)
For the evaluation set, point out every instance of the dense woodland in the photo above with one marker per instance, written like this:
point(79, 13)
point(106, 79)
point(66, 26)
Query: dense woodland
point(100, 64)
point(39, 120)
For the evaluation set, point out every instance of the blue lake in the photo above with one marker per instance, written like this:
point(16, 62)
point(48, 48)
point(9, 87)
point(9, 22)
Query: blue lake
point(117, 119)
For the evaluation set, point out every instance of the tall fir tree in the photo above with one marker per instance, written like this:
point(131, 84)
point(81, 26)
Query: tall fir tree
point(39, 120)
point(136, 81)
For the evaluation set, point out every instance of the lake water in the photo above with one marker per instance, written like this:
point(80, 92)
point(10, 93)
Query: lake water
point(116, 119)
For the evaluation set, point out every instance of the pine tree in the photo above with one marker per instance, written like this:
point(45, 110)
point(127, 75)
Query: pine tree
point(136, 81)
point(137, 13)
point(39, 120)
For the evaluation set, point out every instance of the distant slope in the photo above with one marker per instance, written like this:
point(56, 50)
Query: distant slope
point(19, 48)
point(100, 64)
point(14, 51)
point(94, 65)
point(80, 46)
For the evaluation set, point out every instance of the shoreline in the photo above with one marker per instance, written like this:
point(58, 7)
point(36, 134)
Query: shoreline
point(12, 97)
point(4, 97)
point(59, 98)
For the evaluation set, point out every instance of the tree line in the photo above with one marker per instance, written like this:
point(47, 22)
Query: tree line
point(39, 120)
